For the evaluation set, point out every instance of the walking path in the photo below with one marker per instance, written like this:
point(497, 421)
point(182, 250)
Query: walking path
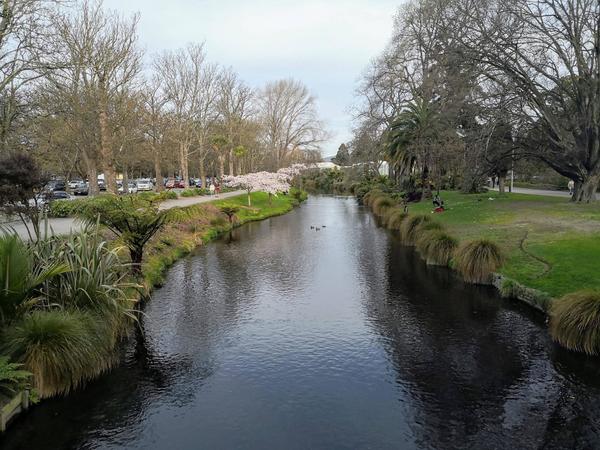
point(67, 225)
point(544, 192)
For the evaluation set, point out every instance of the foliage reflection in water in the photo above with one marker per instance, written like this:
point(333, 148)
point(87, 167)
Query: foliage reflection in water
point(280, 336)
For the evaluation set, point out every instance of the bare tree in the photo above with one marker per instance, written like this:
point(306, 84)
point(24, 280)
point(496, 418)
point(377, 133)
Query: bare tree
point(548, 53)
point(235, 110)
point(155, 123)
point(103, 61)
point(187, 81)
point(28, 51)
point(289, 117)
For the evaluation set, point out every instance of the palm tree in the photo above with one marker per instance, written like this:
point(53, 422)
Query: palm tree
point(218, 143)
point(409, 139)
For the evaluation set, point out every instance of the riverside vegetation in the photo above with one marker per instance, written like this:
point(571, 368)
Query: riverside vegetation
point(67, 301)
point(532, 241)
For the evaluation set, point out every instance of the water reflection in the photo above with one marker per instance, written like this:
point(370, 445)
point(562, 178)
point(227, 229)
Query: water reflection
point(279, 336)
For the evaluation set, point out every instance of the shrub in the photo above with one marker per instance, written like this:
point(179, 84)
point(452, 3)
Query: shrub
point(12, 377)
point(298, 194)
point(133, 219)
point(437, 247)
point(371, 195)
point(575, 321)
point(20, 277)
point(395, 217)
point(477, 260)
point(381, 204)
point(62, 349)
point(193, 192)
point(410, 228)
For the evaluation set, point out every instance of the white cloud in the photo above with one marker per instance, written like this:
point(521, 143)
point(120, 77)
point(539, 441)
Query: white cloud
point(325, 44)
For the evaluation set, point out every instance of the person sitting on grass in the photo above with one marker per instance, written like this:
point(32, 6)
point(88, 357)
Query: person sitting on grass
point(438, 204)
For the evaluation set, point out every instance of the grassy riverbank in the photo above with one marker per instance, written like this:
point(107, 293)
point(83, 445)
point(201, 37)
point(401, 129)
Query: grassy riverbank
point(550, 243)
point(192, 226)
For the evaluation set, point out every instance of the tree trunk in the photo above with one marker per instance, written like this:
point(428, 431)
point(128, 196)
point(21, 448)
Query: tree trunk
point(231, 172)
point(202, 174)
point(92, 174)
point(158, 172)
point(136, 255)
point(585, 191)
point(221, 165)
point(249, 199)
point(106, 153)
point(183, 162)
point(125, 181)
point(502, 184)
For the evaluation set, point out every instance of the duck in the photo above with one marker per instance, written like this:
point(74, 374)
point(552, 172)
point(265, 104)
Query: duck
point(323, 226)
point(312, 227)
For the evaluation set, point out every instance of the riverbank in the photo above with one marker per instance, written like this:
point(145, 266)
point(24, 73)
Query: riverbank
point(550, 244)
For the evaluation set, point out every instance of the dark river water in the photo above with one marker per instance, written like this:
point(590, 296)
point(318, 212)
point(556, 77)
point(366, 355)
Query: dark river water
point(282, 337)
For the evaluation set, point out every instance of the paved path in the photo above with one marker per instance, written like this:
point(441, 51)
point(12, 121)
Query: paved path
point(544, 192)
point(67, 225)
point(189, 201)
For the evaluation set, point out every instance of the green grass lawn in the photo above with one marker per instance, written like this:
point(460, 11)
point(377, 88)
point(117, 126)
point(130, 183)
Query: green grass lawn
point(551, 244)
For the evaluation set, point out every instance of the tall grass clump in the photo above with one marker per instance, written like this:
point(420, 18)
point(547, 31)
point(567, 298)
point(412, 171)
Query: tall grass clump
point(370, 196)
point(437, 247)
point(62, 349)
point(394, 218)
point(575, 321)
point(381, 204)
point(409, 229)
point(477, 260)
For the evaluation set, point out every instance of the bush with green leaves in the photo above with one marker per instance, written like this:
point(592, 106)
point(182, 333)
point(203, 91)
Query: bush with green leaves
point(21, 278)
point(12, 377)
point(134, 220)
point(575, 321)
point(193, 192)
point(230, 211)
point(477, 260)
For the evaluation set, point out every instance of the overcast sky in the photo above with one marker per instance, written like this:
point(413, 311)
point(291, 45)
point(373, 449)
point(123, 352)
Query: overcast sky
point(326, 44)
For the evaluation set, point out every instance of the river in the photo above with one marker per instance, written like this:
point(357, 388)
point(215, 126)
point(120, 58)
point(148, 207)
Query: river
point(281, 336)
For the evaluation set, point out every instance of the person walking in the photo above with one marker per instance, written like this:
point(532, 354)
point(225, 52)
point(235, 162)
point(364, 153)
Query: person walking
point(571, 187)
point(211, 188)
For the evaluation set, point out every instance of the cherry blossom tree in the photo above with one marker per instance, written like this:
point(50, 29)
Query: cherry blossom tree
point(272, 183)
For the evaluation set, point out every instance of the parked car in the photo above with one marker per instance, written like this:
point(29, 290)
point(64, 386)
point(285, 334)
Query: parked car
point(131, 187)
point(59, 195)
point(144, 184)
point(73, 184)
point(170, 183)
point(81, 188)
point(101, 185)
point(55, 185)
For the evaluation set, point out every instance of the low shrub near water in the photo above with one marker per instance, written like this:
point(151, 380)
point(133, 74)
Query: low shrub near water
point(575, 321)
point(61, 348)
point(381, 204)
point(395, 217)
point(477, 260)
point(410, 228)
point(193, 192)
point(437, 247)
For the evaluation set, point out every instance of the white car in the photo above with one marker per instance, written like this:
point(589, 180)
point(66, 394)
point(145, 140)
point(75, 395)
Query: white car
point(131, 187)
point(73, 184)
point(144, 184)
